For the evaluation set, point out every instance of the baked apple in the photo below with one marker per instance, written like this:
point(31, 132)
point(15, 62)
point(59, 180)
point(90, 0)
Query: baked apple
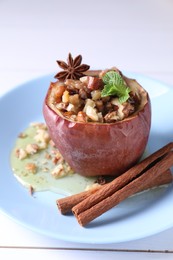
point(99, 120)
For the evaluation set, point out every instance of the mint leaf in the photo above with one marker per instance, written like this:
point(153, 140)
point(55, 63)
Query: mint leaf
point(114, 86)
point(108, 90)
point(113, 77)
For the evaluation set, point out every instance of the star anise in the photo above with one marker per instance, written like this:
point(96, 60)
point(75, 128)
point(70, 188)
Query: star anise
point(73, 69)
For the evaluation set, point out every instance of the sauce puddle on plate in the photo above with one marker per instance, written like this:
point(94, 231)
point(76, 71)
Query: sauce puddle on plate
point(38, 165)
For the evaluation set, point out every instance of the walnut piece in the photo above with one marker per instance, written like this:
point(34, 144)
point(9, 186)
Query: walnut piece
point(31, 167)
point(21, 153)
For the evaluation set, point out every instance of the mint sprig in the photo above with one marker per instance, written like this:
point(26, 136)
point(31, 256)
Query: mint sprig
point(115, 86)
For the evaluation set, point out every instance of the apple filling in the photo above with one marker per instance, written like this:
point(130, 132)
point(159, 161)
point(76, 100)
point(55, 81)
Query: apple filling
point(104, 97)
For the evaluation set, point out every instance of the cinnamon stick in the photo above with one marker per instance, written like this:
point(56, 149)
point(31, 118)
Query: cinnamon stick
point(122, 180)
point(66, 204)
point(163, 179)
point(124, 186)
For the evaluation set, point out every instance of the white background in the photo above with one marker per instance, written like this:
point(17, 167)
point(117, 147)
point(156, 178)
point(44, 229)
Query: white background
point(133, 35)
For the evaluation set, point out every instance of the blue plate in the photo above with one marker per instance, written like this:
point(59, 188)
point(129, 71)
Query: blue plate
point(137, 217)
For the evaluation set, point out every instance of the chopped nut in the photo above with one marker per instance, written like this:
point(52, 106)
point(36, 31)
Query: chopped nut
point(92, 114)
point(99, 105)
point(58, 155)
point(83, 93)
point(22, 135)
point(73, 84)
point(115, 101)
point(96, 94)
point(82, 117)
point(42, 136)
point(58, 171)
point(58, 158)
point(32, 148)
point(70, 115)
point(39, 125)
point(71, 108)
point(74, 99)
point(68, 169)
point(61, 106)
point(84, 79)
point(65, 97)
point(42, 145)
point(128, 109)
point(31, 167)
point(89, 103)
point(21, 153)
point(111, 117)
point(100, 117)
point(60, 90)
point(120, 113)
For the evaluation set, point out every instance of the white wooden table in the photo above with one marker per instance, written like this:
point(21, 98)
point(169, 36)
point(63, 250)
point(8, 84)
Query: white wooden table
point(133, 35)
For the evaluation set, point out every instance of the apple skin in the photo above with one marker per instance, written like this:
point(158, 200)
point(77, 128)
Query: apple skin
point(93, 149)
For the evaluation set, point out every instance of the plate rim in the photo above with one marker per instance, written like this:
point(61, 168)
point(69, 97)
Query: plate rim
point(13, 90)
